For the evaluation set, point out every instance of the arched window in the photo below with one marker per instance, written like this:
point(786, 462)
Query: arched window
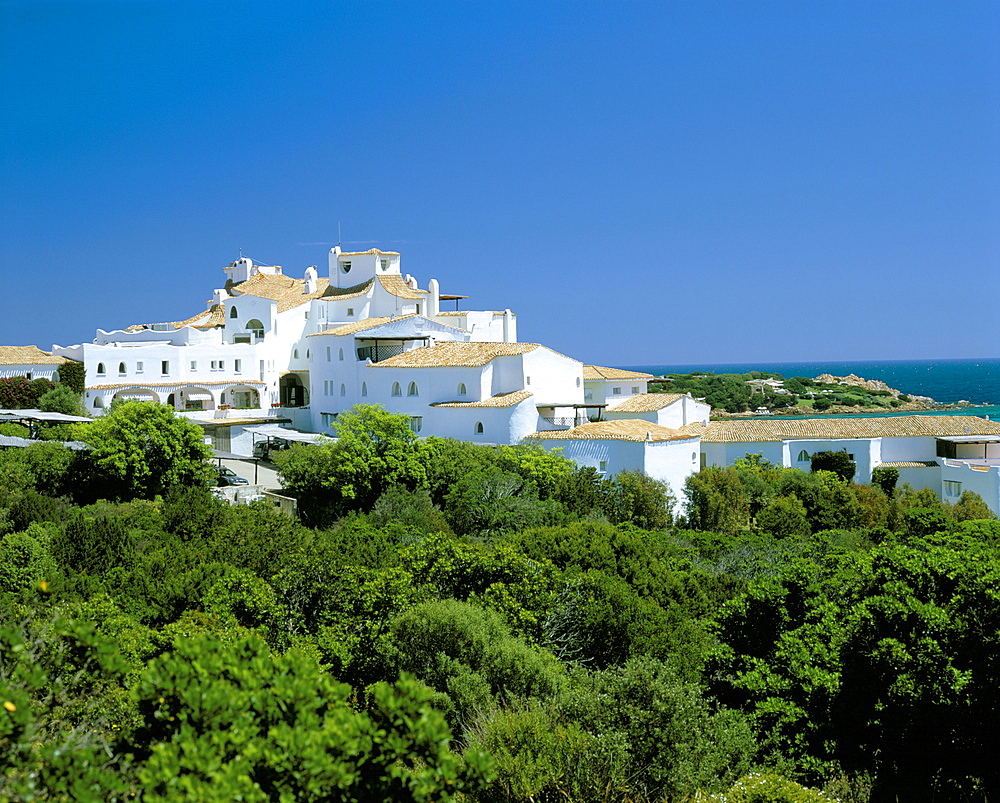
point(396, 390)
point(412, 390)
point(364, 388)
point(295, 354)
point(256, 327)
point(307, 354)
point(461, 389)
point(343, 390)
point(803, 456)
point(98, 403)
point(100, 368)
point(233, 313)
point(121, 368)
point(578, 381)
point(341, 356)
point(479, 427)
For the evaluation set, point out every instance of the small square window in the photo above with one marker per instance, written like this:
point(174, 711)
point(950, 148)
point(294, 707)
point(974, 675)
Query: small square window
point(138, 367)
point(634, 391)
point(616, 391)
point(194, 365)
point(350, 312)
point(603, 467)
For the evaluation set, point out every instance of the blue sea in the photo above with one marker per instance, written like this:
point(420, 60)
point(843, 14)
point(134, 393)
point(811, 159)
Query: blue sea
point(945, 381)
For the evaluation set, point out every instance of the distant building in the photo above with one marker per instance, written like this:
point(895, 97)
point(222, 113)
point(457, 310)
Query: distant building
point(30, 362)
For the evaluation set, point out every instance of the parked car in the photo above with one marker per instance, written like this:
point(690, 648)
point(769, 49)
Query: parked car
point(229, 477)
point(264, 449)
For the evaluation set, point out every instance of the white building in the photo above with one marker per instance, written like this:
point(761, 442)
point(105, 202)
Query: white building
point(30, 362)
point(610, 447)
point(948, 454)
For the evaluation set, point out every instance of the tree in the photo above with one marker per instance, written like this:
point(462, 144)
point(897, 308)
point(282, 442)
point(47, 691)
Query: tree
point(635, 498)
point(837, 462)
point(141, 449)
point(72, 374)
point(374, 450)
point(61, 399)
point(886, 477)
point(226, 721)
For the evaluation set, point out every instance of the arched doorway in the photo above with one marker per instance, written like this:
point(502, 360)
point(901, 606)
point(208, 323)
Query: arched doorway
point(292, 391)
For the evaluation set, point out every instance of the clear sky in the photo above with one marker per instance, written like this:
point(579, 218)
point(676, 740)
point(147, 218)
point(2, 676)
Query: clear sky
point(642, 183)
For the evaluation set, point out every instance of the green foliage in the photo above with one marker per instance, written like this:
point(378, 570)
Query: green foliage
point(492, 502)
point(838, 463)
point(227, 721)
point(634, 498)
point(62, 399)
point(886, 477)
point(62, 706)
point(25, 560)
point(716, 501)
point(784, 517)
point(18, 393)
point(468, 655)
point(141, 449)
point(767, 787)
point(73, 375)
point(375, 450)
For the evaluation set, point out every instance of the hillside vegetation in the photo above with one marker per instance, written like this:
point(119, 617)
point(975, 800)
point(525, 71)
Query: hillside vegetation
point(492, 625)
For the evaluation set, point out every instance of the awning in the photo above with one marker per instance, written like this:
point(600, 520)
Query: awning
point(272, 431)
point(135, 396)
point(39, 415)
point(198, 396)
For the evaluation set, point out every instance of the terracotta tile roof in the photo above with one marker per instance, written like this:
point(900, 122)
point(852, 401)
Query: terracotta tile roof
point(394, 284)
point(360, 326)
point(646, 402)
point(500, 400)
point(910, 464)
point(180, 384)
point(455, 355)
point(593, 372)
point(629, 429)
point(372, 323)
point(28, 355)
point(369, 252)
point(753, 430)
point(289, 293)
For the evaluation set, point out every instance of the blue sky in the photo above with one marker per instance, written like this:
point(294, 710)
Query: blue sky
point(642, 183)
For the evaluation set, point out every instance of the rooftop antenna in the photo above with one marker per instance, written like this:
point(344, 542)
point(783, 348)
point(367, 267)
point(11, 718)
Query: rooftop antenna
point(338, 234)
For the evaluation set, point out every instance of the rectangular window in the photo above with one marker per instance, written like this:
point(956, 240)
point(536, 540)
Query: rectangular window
point(635, 390)
point(603, 467)
point(952, 488)
point(328, 354)
point(222, 365)
point(385, 264)
point(238, 365)
point(165, 367)
point(350, 312)
point(194, 365)
point(616, 391)
point(416, 423)
point(138, 367)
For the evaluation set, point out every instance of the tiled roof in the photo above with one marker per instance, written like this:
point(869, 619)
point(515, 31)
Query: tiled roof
point(630, 429)
point(754, 430)
point(369, 252)
point(455, 355)
point(394, 284)
point(910, 464)
point(592, 372)
point(28, 355)
point(646, 402)
point(500, 400)
point(289, 293)
point(179, 384)
point(373, 323)
point(360, 326)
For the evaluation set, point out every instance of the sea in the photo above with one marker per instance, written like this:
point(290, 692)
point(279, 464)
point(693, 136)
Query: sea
point(976, 381)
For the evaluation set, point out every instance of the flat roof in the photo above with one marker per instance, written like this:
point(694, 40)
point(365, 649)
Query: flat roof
point(39, 415)
point(970, 438)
